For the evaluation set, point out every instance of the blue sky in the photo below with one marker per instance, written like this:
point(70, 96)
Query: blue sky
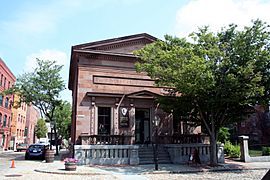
point(48, 28)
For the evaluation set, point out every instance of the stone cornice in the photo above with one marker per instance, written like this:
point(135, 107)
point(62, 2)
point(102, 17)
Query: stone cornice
point(110, 43)
point(109, 56)
point(105, 53)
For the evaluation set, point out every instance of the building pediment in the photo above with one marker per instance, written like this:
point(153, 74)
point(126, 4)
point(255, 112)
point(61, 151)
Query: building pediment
point(143, 94)
point(122, 45)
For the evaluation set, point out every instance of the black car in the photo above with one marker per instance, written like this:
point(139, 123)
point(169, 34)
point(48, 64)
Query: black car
point(36, 151)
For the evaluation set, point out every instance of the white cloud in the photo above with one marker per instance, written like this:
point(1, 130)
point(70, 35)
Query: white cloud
point(219, 13)
point(47, 54)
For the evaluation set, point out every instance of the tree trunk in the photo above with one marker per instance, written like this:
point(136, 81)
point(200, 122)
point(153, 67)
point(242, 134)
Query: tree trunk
point(56, 139)
point(213, 144)
point(213, 150)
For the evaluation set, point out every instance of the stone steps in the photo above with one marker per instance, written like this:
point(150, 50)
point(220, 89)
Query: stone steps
point(146, 155)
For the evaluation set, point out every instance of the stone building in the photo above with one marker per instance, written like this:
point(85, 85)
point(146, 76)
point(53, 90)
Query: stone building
point(7, 79)
point(109, 96)
point(114, 108)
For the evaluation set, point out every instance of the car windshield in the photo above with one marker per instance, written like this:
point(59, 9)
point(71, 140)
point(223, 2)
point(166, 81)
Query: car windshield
point(22, 144)
point(36, 146)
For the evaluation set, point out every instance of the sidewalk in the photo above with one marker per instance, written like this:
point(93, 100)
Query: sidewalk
point(58, 168)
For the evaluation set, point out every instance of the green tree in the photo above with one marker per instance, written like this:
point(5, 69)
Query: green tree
point(41, 88)
point(62, 117)
point(216, 78)
point(41, 129)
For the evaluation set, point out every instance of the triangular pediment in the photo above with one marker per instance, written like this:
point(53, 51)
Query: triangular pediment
point(124, 45)
point(143, 94)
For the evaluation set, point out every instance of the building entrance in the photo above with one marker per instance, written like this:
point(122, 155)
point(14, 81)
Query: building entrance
point(142, 125)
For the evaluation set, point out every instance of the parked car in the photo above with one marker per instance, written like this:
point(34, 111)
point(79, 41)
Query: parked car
point(36, 151)
point(21, 147)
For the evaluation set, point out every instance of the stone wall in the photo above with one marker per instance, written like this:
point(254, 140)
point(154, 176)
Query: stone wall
point(106, 154)
point(180, 153)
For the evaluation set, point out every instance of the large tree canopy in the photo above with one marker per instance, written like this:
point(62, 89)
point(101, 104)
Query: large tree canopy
point(217, 76)
point(41, 87)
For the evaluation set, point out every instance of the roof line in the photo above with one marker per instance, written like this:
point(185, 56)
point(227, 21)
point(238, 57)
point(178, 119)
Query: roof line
point(112, 40)
point(104, 53)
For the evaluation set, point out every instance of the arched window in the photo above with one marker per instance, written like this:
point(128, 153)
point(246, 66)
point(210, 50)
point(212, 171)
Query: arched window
point(1, 100)
point(5, 121)
point(6, 102)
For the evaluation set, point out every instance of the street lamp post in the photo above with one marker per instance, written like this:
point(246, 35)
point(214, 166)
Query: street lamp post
point(51, 126)
point(156, 123)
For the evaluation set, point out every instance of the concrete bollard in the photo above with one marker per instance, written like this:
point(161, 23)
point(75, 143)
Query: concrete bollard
point(244, 149)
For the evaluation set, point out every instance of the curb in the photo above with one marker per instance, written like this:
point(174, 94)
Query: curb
point(154, 172)
point(68, 172)
point(217, 170)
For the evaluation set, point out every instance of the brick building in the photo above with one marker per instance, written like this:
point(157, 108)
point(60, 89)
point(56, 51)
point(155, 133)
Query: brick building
point(7, 79)
point(256, 126)
point(32, 116)
point(18, 122)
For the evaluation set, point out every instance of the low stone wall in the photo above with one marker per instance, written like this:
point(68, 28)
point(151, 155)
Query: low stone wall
point(180, 153)
point(245, 153)
point(107, 154)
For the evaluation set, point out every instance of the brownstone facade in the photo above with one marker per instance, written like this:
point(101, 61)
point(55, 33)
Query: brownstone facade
point(109, 97)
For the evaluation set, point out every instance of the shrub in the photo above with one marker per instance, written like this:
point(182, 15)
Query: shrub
point(231, 150)
point(223, 134)
point(266, 151)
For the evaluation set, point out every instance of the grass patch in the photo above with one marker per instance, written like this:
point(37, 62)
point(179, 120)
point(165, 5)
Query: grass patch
point(254, 153)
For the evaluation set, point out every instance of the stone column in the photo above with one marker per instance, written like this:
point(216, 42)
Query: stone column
point(115, 120)
point(134, 155)
point(132, 124)
point(220, 153)
point(92, 116)
point(244, 148)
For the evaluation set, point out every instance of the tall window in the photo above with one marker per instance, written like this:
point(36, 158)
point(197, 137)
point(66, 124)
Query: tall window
point(25, 131)
point(6, 102)
point(0, 118)
point(8, 121)
point(104, 120)
point(8, 84)
point(1, 79)
point(1, 100)
point(10, 104)
point(5, 121)
point(5, 83)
